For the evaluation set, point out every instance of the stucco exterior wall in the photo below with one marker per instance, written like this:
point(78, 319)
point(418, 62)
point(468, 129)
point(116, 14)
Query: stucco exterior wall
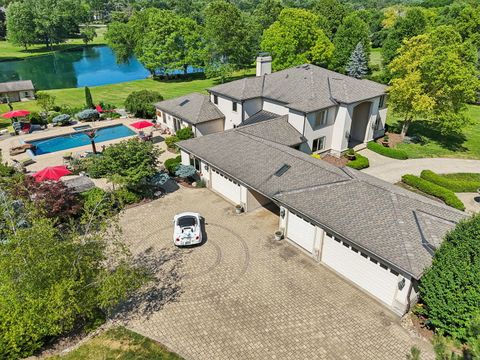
point(232, 118)
point(275, 107)
point(312, 133)
point(251, 107)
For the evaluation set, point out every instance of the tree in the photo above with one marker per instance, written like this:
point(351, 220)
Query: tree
point(127, 163)
point(53, 279)
point(20, 27)
point(295, 39)
point(45, 101)
point(141, 103)
point(228, 39)
point(88, 98)
point(333, 11)
point(357, 66)
point(352, 31)
point(160, 39)
point(412, 24)
point(87, 34)
point(3, 24)
point(434, 76)
point(267, 12)
point(450, 288)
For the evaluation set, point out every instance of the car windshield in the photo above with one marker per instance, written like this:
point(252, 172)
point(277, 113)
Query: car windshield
point(187, 221)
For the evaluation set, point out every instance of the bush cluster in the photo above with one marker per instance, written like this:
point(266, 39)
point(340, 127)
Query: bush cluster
point(172, 164)
point(440, 192)
point(450, 288)
point(182, 134)
point(141, 103)
point(171, 141)
point(360, 162)
point(88, 115)
point(388, 152)
point(456, 185)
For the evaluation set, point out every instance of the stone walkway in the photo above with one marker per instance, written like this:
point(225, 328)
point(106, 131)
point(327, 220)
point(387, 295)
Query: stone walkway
point(391, 170)
point(242, 295)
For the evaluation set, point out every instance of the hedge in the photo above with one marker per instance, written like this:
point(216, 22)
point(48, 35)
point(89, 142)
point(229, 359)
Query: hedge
point(386, 151)
point(360, 162)
point(172, 164)
point(449, 183)
point(448, 196)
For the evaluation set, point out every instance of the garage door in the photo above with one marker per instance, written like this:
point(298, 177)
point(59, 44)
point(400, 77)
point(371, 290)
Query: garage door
point(359, 268)
point(301, 232)
point(226, 187)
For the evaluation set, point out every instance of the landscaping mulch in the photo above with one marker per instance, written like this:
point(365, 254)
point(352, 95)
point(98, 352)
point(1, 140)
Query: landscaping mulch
point(393, 139)
point(340, 162)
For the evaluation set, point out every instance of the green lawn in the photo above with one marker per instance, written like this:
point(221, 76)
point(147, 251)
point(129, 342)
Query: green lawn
point(465, 144)
point(116, 93)
point(9, 51)
point(376, 56)
point(120, 344)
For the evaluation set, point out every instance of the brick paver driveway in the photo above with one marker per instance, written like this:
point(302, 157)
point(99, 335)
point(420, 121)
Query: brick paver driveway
point(241, 295)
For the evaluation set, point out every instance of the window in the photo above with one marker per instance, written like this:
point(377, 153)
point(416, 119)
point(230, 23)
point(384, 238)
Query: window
point(234, 106)
point(26, 93)
point(215, 99)
point(318, 144)
point(195, 163)
point(320, 119)
point(381, 103)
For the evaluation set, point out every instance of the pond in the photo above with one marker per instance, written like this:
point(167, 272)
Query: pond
point(87, 66)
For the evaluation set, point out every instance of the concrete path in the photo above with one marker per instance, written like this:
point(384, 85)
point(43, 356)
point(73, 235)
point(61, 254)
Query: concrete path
point(391, 170)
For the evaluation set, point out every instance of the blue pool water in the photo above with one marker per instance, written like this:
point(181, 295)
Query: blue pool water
point(73, 140)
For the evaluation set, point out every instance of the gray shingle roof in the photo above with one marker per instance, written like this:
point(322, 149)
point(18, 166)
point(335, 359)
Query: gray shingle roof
point(194, 108)
point(387, 221)
point(16, 86)
point(277, 130)
point(262, 115)
point(304, 88)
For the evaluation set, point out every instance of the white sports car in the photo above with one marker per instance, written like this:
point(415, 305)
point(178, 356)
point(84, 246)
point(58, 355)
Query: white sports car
point(187, 229)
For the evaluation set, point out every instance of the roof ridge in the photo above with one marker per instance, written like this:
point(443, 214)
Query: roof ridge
point(292, 153)
point(312, 187)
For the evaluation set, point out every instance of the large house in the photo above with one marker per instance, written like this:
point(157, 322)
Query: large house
point(17, 91)
point(331, 111)
point(377, 235)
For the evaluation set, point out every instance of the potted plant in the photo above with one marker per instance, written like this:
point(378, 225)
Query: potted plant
point(238, 209)
point(385, 141)
point(278, 235)
point(351, 154)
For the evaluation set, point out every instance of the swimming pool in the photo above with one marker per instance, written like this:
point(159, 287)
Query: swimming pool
point(73, 140)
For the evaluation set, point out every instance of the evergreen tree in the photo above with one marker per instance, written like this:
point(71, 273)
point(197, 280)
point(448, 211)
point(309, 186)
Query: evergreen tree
point(358, 64)
point(88, 98)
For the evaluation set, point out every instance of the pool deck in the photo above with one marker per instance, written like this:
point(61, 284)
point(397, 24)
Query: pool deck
point(56, 158)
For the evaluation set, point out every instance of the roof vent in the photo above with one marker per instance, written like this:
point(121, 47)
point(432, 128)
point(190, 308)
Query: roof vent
point(282, 170)
point(184, 102)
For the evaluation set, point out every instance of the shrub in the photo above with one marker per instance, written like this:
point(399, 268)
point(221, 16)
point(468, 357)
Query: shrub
point(201, 184)
point(171, 141)
point(51, 115)
point(88, 115)
point(159, 179)
point(449, 183)
point(45, 101)
point(350, 152)
point(36, 118)
point(99, 203)
point(110, 115)
point(450, 288)
point(440, 192)
point(389, 152)
point(185, 171)
point(62, 119)
point(141, 103)
point(172, 164)
point(185, 133)
point(360, 162)
point(126, 196)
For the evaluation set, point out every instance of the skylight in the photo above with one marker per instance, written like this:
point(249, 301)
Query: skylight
point(184, 102)
point(282, 170)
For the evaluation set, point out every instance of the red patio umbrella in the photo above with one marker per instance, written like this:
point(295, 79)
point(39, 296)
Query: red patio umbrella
point(51, 173)
point(141, 124)
point(15, 113)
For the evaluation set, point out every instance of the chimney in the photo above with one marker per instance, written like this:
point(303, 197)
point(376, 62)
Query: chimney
point(264, 64)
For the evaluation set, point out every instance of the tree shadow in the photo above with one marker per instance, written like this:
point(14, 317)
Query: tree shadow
point(163, 269)
point(421, 132)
